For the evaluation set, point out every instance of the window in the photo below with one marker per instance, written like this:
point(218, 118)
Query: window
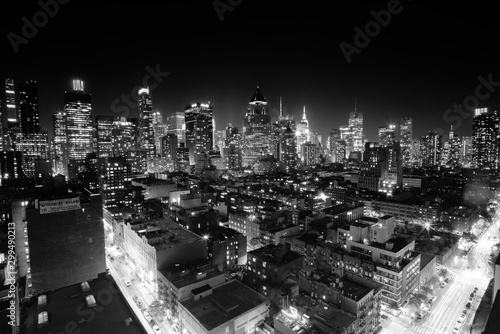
point(43, 318)
point(42, 300)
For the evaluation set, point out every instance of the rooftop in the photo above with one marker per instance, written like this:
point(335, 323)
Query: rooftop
point(67, 306)
point(163, 233)
point(228, 301)
point(269, 253)
point(186, 276)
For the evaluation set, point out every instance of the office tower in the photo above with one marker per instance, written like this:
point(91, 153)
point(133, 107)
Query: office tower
point(146, 138)
point(182, 158)
point(333, 140)
point(387, 134)
point(485, 138)
point(78, 123)
point(59, 143)
point(176, 124)
point(34, 149)
point(431, 147)
point(199, 120)
point(356, 126)
point(381, 168)
point(257, 130)
point(159, 129)
point(287, 149)
point(233, 145)
point(10, 114)
point(466, 151)
point(104, 134)
point(406, 137)
point(454, 149)
point(124, 135)
point(302, 133)
point(169, 146)
point(309, 154)
point(220, 141)
point(11, 165)
point(115, 183)
point(28, 108)
point(347, 137)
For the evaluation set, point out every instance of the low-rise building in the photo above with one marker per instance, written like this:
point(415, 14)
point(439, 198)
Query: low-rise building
point(229, 308)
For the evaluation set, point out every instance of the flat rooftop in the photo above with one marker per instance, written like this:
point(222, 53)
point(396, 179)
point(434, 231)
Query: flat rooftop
point(228, 301)
point(163, 233)
point(152, 181)
point(324, 314)
point(187, 277)
point(268, 253)
point(67, 305)
point(340, 208)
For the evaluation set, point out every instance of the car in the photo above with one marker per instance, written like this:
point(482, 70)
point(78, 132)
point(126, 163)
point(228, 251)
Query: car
point(468, 305)
point(475, 289)
point(447, 280)
point(442, 284)
point(147, 316)
point(456, 329)
point(156, 329)
point(152, 323)
point(127, 282)
point(462, 316)
point(471, 299)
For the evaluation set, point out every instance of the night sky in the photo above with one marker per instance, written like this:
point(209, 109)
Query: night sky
point(425, 60)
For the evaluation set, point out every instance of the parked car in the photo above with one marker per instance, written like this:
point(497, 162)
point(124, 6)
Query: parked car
point(147, 316)
point(432, 299)
point(442, 284)
point(462, 316)
point(156, 329)
point(471, 299)
point(468, 305)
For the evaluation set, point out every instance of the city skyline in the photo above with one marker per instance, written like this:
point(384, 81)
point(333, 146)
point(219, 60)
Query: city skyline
point(305, 66)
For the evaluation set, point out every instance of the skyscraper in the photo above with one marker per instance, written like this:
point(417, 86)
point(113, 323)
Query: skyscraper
point(233, 147)
point(387, 134)
point(115, 183)
point(454, 149)
point(485, 138)
point(78, 123)
point(176, 124)
point(346, 135)
point(309, 154)
point(124, 136)
point(146, 138)
point(356, 126)
point(337, 154)
point(199, 120)
point(257, 131)
point(406, 135)
point(431, 147)
point(104, 132)
point(28, 108)
point(302, 133)
point(59, 148)
point(10, 113)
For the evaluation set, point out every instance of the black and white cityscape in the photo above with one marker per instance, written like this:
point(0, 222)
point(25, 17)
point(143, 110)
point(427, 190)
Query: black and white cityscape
point(248, 167)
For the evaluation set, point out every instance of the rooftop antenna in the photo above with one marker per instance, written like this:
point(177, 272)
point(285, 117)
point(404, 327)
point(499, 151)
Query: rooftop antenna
point(281, 108)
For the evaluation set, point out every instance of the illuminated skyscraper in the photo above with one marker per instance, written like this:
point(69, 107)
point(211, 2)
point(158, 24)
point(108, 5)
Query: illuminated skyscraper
point(257, 130)
point(59, 143)
point(346, 135)
point(337, 147)
point(302, 133)
point(124, 135)
point(176, 124)
point(115, 183)
point(146, 138)
point(387, 134)
point(28, 108)
point(454, 149)
point(356, 126)
point(309, 154)
point(104, 134)
point(406, 134)
point(431, 147)
point(199, 120)
point(78, 123)
point(485, 138)
point(233, 147)
point(10, 114)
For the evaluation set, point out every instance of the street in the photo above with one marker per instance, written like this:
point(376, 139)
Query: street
point(119, 270)
point(465, 273)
